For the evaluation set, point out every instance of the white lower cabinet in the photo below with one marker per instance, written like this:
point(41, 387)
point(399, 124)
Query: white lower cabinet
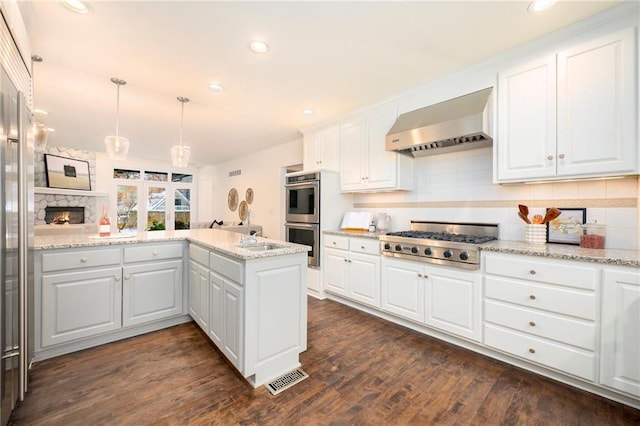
point(86, 293)
point(255, 309)
point(352, 268)
point(80, 304)
point(440, 297)
point(151, 292)
point(620, 338)
point(544, 311)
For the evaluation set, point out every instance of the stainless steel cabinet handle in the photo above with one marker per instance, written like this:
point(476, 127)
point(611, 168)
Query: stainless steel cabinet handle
point(83, 259)
point(531, 350)
point(532, 324)
point(532, 297)
point(561, 156)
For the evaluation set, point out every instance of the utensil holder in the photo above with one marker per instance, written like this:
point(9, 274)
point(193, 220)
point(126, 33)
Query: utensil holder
point(535, 234)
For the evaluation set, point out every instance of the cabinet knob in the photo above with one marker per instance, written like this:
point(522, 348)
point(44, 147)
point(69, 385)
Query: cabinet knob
point(155, 253)
point(532, 324)
point(549, 157)
point(532, 272)
point(561, 156)
point(346, 260)
point(532, 351)
point(334, 243)
point(117, 278)
point(126, 277)
point(532, 297)
point(362, 247)
point(83, 259)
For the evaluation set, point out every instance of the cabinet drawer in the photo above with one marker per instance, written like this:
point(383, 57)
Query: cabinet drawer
point(199, 254)
point(553, 299)
point(563, 330)
point(534, 349)
point(146, 253)
point(227, 267)
point(364, 245)
point(336, 241)
point(562, 273)
point(80, 259)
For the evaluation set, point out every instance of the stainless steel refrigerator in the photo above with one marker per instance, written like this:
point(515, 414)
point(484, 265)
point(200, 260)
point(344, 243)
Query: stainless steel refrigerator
point(16, 235)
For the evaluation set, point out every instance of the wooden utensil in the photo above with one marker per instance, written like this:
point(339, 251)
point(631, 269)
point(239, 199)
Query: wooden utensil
point(523, 217)
point(524, 211)
point(537, 219)
point(552, 213)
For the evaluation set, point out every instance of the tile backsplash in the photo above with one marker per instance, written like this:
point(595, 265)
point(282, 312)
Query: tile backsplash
point(458, 187)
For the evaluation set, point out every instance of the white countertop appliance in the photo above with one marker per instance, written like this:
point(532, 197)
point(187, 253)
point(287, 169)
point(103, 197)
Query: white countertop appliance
point(444, 243)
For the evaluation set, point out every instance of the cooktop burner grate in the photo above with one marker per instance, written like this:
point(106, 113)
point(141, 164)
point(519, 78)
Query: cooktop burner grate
point(444, 236)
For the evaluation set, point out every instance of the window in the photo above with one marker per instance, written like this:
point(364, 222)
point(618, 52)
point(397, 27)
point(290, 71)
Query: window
point(143, 201)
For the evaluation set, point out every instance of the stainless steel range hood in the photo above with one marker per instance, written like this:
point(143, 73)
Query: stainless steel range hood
point(460, 123)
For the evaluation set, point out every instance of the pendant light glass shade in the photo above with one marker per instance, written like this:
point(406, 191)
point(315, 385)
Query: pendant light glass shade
point(180, 153)
point(40, 136)
point(117, 146)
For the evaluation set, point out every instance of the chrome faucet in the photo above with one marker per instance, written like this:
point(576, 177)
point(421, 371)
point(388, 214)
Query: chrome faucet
point(248, 239)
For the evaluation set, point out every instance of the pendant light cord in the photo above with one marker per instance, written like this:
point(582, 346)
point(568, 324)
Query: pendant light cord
point(117, 108)
point(182, 100)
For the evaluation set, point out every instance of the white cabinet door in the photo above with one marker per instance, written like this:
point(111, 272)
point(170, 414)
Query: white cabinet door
point(321, 149)
point(76, 305)
point(381, 165)
point(596, 107)
point(526, 143)
point(151, 291)
point(352, 153)
point(402, 285)
point(233, 302)
point(453, 302)
point(199, 294)
point(620, 335)
point(364, 278)
point(216, 309)
point(336, 265)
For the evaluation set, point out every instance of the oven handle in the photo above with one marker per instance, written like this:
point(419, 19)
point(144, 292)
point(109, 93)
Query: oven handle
point(301, 225)
point(310, 184)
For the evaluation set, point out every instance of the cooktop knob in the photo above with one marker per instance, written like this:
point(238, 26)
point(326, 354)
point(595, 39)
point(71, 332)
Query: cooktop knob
point(387, 246)
point(398, 247)
point(428, 251)
point(448, 253)
point(414, 250)
point(464, 256)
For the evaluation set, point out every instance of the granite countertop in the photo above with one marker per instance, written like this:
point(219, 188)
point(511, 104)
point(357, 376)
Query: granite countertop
point(360, 234)
point(224, 242)
point(567, 252)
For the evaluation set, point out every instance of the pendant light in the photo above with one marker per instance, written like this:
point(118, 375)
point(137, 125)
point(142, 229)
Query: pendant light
point(117, 146)
point(180, 153)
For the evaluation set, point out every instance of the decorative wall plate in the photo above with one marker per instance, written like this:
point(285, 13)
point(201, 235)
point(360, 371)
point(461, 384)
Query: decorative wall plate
point(232, 199)
point(243, 210)
point(249, 196)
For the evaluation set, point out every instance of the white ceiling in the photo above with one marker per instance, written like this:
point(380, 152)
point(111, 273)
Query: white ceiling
point(333, 57)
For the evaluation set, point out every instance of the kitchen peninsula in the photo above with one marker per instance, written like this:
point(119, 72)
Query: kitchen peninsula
point(247, 296)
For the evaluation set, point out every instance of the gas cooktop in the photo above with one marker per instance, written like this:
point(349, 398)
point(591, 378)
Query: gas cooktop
point(444, 243)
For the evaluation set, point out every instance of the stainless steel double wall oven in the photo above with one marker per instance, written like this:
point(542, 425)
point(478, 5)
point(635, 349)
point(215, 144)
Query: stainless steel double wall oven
point(303, 212)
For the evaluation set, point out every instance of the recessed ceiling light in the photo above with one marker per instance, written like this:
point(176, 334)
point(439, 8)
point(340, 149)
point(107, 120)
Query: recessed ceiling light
point(51, 129)
point(40, 111)
point(537, 6)
point(76, 6)
point(259, 46)
point(307, 111)
point(214, 86)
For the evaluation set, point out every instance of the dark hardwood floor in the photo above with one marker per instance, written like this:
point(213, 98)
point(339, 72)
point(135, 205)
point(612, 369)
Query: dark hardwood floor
point(363, 371)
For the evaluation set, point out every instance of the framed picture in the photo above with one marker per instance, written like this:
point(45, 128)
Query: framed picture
point(67, 173)
point(567, 228)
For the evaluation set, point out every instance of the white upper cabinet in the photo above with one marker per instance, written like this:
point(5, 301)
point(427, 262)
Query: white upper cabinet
point(322, 149)
point(571, 114)
point(365, 165)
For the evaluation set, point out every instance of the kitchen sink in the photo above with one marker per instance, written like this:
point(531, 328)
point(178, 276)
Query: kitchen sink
point(260, 246)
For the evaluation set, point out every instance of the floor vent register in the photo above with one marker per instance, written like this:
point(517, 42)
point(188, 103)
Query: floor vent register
point(286, 381)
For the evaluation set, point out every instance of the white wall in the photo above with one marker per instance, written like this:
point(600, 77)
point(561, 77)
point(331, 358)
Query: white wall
point(260, 171)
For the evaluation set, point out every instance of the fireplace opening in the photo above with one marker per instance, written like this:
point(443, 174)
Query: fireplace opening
point(64, 215)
